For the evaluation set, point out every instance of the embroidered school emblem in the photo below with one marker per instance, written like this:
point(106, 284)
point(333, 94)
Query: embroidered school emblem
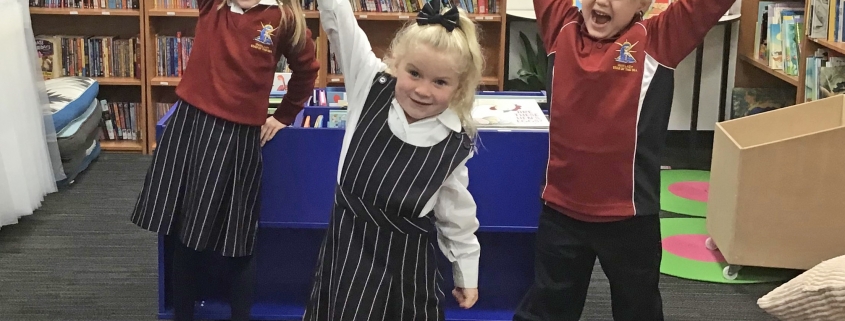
point(626, 58)
point(265, 34)
point(265, 38)
point(626, 52)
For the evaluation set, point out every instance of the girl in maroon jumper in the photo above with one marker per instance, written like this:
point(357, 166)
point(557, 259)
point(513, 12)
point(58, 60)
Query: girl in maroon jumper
point(610, 97)
point(203, 186)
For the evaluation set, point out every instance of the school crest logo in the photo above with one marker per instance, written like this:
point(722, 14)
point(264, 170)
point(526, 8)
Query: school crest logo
point(626, 58)
point(265, 38)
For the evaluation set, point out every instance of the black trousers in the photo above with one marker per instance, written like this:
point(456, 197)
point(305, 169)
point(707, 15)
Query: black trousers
point(187, 265)
point(629, 252)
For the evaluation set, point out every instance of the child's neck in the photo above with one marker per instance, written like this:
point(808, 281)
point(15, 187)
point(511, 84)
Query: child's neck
point(410, 119)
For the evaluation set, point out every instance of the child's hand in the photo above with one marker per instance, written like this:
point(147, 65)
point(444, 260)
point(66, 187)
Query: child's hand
point(269, 129)
point(466, 297)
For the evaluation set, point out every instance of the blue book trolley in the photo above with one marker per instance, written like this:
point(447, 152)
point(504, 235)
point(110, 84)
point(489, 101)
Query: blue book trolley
point(300, 167)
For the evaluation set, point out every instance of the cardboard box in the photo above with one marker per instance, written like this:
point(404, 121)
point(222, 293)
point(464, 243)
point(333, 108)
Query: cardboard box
point(777, 186)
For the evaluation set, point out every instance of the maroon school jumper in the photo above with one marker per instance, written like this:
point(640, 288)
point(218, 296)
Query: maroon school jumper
point(230, 71)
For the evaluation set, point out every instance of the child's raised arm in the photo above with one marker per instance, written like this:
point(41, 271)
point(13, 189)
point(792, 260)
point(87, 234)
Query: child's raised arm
point(674, 33)
point(350, 46)
point(551, 16)
point(304, 68)
point(456, 225)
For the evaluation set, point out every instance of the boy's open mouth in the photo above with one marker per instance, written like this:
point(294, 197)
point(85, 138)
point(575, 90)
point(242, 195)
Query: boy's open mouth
point(600, 18)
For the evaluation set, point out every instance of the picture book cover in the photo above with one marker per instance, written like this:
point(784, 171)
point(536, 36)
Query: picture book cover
point(831, 81)
point(508, 113)
point(750, 101)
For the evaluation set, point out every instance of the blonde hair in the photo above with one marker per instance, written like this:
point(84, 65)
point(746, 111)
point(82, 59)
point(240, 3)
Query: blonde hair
point(461, 41)
point(298, 35)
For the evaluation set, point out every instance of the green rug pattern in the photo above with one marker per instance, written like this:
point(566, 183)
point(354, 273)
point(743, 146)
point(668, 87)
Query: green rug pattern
point(694, 229)
point(673, 203)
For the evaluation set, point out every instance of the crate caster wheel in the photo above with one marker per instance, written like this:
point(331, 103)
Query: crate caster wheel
point(710, 245)
point(730, 272)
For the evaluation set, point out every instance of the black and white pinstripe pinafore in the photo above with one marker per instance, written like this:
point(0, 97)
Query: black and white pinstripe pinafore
point(203, 184)
point(377, 261)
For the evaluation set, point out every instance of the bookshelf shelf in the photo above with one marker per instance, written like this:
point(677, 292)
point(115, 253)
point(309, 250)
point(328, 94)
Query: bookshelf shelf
point(122, 145)
point(165, 81)
point(835, 46)
point(792, 80)
point(118, 81)
point(84, 12)
point(158, 12)
point(155, 12)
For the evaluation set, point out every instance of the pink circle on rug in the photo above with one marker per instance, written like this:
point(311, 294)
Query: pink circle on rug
point(696, 191)
point(691, 246)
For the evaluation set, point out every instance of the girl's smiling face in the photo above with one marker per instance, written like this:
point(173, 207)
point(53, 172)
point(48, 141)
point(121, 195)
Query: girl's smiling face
point(606, 18)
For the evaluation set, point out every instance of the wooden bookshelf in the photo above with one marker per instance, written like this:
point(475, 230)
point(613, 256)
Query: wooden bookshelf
point(753, 72)
point(835, 46)
point(148, 21)
point(762, 65)
point(121, 24)
point(122, 145)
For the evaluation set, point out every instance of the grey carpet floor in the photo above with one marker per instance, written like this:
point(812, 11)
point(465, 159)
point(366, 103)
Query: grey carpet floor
point(79, 258)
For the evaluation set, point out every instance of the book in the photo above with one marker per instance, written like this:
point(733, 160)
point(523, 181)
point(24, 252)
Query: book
point(508, 113)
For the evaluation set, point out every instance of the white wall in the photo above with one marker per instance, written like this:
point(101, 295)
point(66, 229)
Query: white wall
point(684, 74)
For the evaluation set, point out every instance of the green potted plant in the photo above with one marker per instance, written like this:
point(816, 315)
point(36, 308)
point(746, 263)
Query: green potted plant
point(532, 74)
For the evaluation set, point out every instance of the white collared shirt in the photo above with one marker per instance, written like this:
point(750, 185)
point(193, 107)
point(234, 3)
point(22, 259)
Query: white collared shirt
point(453, 205)
point(234, 7)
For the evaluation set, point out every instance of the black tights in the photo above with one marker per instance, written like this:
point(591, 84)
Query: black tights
point(186, 265)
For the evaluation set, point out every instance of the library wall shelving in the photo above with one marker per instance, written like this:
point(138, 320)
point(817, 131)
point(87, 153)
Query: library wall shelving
point(819, 46)
point(154, 23)
point(112, 30)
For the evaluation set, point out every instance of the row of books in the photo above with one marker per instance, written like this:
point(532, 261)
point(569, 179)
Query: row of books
point(172, 54)
point(780, 29)
point(88, 56)
point(85, 4)
point(119, 121)
point(824, 76)
point(176, 4)
point(826, 20)
point(411, 6)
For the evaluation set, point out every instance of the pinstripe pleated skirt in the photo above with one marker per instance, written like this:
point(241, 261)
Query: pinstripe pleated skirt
point(204, 183)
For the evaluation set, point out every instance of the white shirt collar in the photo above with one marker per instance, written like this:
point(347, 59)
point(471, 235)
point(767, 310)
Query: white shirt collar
point(448, 118)
point(234, 7)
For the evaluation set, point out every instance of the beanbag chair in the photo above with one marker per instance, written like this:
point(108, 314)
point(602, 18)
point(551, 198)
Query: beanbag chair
point(69, 98)
point(73, 167)
point(75, 136)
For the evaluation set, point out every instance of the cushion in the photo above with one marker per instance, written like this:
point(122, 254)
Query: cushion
point(87, 143)
point(76, 166)
point(70, 97)
point(74, 137)
point(818, 294)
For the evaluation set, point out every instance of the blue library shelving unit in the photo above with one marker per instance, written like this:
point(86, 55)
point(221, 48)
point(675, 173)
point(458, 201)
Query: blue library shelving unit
point(300, 166)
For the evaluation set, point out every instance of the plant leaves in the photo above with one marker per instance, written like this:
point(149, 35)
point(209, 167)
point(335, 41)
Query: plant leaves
point(542, 62)
point(529, 53)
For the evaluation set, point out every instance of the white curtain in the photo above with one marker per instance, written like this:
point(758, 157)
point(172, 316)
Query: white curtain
point(30, 163)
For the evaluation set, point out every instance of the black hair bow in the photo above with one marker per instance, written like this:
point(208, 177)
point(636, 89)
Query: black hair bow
point(430, 14)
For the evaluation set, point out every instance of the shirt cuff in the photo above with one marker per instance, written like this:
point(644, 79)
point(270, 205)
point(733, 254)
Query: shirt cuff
point(286, 113)
point(465, 273)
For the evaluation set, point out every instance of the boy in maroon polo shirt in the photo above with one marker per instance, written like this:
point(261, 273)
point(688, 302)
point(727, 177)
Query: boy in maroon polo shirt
point(610, 97)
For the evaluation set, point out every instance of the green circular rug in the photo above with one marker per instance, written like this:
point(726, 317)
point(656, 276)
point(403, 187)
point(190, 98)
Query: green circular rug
point(684, 191)
point(686, 256)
